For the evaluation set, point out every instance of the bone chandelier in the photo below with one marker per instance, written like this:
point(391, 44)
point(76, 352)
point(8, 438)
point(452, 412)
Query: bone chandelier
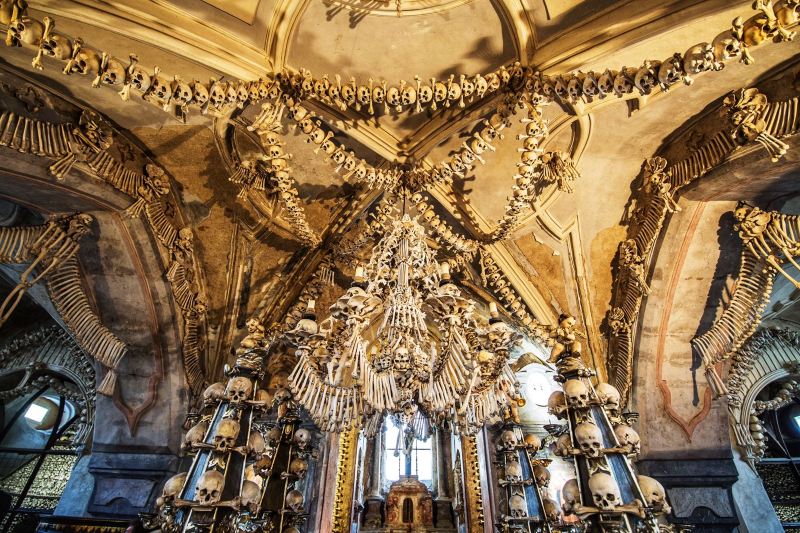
point(403, 340)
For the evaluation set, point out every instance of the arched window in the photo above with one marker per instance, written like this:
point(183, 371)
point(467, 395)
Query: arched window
point(397, 462)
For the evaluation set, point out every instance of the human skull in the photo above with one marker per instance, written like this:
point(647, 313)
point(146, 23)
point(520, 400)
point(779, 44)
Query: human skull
point(605, 84)
point(393, 96)
point(214, 393)
point(140, 79)
point(508, 440)
point(608, 395)
point(217, 94)
point(590, 85)
point(623, 83)
point(605, 491)
point(563, 446)
point(364, 94)
point(173, 486)
point(256, 444)
point(57, 46)
point(532, 442)
point(378, 94)
point(671, 71)
point(480, 86)
point(575, 88)
point(541, 475)
point(627, 436)
point(26, 30)
point(294, 500)
point(298, 467)
point(425, 94)
point(402, 360)
point(348, 94)
point(209, 487)
point(570, 495)
point(282, 395)
point(727, 47)
point(195, 435)
point(181, 92)
point(654, 494)
point(439, 91)
point(577, 394)
point(409, 95)
point(589, 438)
point(492, 82)
point(225, 438)
point(467, 87)
point(86, 62)
point(273, 436)
point(453, 91)
point(557, 405)
point(302, 438)
point(517, 507)
point(161, 88)
point(646, 78)
point(513, 471)
point(115, 72)
point(239, 389)
point(550, 510)
point(250, 495)
point(334, 92)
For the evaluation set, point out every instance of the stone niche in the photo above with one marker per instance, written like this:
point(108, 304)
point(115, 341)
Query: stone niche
point(409, 506)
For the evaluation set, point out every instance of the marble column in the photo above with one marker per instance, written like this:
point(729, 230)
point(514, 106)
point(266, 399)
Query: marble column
point(374, 501)
point(441, 479)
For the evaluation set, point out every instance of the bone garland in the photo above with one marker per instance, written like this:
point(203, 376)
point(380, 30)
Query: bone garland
point(770, 239)
point(375, 225)
point(56, 243)
point(464, 249)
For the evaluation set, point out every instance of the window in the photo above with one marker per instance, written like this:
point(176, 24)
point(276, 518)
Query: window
point(395, 459)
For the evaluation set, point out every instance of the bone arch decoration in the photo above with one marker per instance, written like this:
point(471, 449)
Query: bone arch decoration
point(22, 244)
point(86, 143)
point(661, 185)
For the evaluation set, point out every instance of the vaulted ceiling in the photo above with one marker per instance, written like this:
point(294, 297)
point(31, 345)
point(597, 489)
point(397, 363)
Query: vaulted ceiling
point(250, 260)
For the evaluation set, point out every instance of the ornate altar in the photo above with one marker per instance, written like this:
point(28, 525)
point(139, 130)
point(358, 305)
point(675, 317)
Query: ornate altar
point(409, 506)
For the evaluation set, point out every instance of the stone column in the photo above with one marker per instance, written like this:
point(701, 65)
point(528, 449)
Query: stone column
point(441, 479)
point(374, 500)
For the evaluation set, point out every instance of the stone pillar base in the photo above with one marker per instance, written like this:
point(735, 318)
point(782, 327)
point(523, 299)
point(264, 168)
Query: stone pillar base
point(443, 513)
point(372, 513)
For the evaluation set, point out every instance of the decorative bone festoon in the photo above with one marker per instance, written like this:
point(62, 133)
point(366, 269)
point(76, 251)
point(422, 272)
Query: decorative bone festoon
point(249, 465)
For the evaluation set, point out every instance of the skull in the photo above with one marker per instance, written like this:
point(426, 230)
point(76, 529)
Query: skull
point(605, 491)
point(334, 92)
point(532, 442)
point(174, 485)
point(140, 79)
point(550, 510)
point(541, 475)
point(364, 95)
point(517, 507)
point(425, 94)
point(181, 92)
point(727, 47)
point(57, 46)
point(605, 84)
point(671, 71)
point(253, 91)
point(577, 394)
point(570, 495)
point(590, 85)
point(282, 396)
point(214, 393)
point(623, 83)
point(563, 446)
point(439, 91)
point(654, 494)
point(645, 79)
point(378, 94)
point(239, 389)
point(302, 438)
point(26, 30)
point(209, 487)
point(161, 88)
point(298, 467)
point(627, 436)
point(700, 58)
point(273, 436)
point(227, 431)
point(393, 96)
point(480, 85)
point(86, 62)
point(557, 405)
point(402, 361)
point(195, 435)
point(608, 395)
point(295, 500)
point(508, 440)
point(513, 471)
point(575, 88)
point(492, 82)
point(256, 444)
point(409, 95)
point(349, 94)
point(217, 94)
point(114, 74)
point(589, 438)
point(251, 495)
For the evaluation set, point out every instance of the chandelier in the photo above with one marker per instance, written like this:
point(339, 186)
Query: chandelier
point(403, 340)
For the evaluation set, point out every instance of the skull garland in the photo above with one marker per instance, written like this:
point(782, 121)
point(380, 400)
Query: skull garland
point(590, 439)
point(654, 494)
point(225, 438)
point(605, 492)
point(209, 488)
